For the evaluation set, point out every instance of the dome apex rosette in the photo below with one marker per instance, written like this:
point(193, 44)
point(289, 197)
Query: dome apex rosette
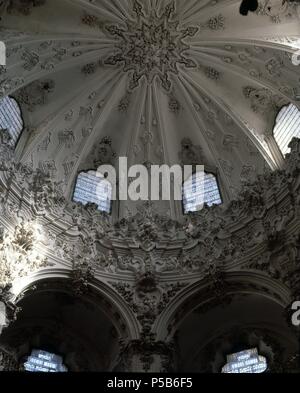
point(153, 45)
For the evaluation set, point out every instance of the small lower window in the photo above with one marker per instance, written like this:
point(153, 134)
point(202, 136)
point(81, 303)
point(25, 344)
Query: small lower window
point(42, 361)
point(245, 362)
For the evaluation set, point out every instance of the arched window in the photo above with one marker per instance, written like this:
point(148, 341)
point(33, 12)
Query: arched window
point(245, 362)
point(42, 361)
point(10, 118)
point(193, 192)
point(287, 126)
point(92, 187)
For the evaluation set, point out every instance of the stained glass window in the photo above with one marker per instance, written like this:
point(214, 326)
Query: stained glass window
point(245, 362)
point(287, 126)
point(10, 118)
point(195, 193)
point(42, 361)
point(92, 187)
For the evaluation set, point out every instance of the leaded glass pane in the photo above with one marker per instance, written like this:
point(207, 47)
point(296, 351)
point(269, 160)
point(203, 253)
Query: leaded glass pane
point(193, 194)
point(92, 188)
point(287, 127)
point(245, 362)
point(10, 118)
point(42, 361)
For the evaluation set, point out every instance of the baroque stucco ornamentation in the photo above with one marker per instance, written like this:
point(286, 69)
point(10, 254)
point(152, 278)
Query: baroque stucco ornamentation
point(81, 276)
point(148, 227)
point(6, 146)
point(92, 21)
point(147, 298)
point(262, 99)
point(190, 154)
point(151, 46)
point(35, 94)
point(8, 361)
point(138, 255)
point(148, 256)
point(205, 245)
point(18, 255)
point(148, 352)
point(11, 309)
point(148, 230)
point(23, 7)
point(277, 10)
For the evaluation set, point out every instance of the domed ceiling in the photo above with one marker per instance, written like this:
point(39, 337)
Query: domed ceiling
point(157, 81)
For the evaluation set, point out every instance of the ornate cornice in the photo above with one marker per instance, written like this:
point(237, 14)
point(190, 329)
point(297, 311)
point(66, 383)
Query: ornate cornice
point(256, 233)
point(264, 209)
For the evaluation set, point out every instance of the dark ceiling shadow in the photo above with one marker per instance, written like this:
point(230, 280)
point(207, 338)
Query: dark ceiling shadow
point(248, 5)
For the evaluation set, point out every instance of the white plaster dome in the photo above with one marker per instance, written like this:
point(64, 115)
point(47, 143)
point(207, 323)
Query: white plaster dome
point(157, 81)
